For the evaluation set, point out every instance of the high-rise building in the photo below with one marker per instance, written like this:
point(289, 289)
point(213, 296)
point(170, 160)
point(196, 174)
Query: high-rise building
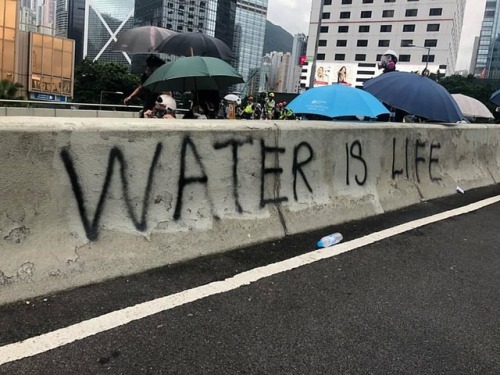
point(486, 55)
point(61, 19)
point(249, 34)
point(8, 36)
point(105, 21)
point(425, 34)
point(76, 26)
point(95, 25)
point(40, 62)
point(295, 67)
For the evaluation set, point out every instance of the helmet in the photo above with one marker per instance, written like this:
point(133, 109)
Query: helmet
point(167, 101)
point(271, 94)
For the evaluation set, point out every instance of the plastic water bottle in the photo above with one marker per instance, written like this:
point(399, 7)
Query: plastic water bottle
point(330, 240)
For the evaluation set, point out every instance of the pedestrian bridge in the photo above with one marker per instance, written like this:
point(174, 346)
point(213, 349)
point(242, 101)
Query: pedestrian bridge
point(88, 199)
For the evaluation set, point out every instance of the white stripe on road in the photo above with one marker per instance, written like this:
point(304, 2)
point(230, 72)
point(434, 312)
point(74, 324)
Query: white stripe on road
point(79, 331)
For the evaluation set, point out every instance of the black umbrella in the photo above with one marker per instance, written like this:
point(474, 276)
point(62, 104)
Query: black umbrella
point(195, 44)
point(142, 39)
point(495, 97)
point(415, 94)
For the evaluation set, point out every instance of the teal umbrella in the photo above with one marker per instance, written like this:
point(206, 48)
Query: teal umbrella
point(192, 74)
point(337, 101)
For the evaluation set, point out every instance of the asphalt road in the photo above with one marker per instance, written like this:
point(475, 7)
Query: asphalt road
point(426, 301)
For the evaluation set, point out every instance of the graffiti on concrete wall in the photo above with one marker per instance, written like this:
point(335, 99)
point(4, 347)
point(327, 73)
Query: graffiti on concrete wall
point(418, 158)
point(408, 161)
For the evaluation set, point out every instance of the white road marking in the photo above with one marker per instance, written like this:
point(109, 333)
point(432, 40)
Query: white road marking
point(55, 339)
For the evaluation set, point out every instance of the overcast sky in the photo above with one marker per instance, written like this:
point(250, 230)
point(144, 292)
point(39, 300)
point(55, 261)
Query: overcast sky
point(293, 16)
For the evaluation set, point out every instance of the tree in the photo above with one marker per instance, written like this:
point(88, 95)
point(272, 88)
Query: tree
point(92, 78)
point(8, 89)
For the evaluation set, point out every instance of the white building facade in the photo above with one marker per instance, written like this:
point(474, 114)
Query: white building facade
point(356, 33)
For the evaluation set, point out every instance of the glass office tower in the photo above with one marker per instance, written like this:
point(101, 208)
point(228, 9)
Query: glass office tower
point(8, 17)
point(487, 64)
point(178, 15)
point(249, 34)
point(76, 26)
point(61, 19)
point(105, 21)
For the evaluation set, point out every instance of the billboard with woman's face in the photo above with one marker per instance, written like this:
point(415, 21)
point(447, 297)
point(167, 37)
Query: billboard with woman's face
point(331, 73)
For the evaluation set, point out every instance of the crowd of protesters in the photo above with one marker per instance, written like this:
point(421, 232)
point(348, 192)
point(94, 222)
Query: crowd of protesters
point(264, 109)
point(203, 104)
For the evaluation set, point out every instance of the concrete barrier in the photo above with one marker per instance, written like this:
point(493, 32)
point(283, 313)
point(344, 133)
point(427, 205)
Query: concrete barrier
point(83, 200)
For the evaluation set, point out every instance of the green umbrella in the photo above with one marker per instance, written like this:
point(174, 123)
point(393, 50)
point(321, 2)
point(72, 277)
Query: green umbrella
point(192, 74)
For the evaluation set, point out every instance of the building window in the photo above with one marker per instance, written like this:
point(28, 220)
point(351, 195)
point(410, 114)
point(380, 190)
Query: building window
point(411, 12)
point(322, 43)
point(320, 56)
point(360, 57)
point(435, 11)
point(379, 56)
point(327, 2)
point(427, 58)
point(404, 58)
point(408, 28)
point(385, 28)
point(340, 56)
point(364, 29)
point(406, 42)
point(343, 29)
point(389, 1)
point(366, 14)
point(341, 43)
point(323, 29)
point(430, 43)
point(384, 43)
point(325, 16)
point(344, 15)
point(367, 1)
point(346, 1)
point(362, 43)
point(433, 27)
point(387, 13)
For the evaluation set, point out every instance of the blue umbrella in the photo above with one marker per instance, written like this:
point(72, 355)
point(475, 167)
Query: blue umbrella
point(415, 94)
point(337, 101)
point(495, 97)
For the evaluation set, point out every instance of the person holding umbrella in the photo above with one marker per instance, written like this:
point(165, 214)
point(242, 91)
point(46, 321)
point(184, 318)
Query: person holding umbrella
point(153, 62)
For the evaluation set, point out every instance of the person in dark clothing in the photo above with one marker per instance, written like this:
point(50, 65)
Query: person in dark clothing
point(153, 62)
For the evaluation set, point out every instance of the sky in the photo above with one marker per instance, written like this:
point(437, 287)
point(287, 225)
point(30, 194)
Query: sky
point(293, 16)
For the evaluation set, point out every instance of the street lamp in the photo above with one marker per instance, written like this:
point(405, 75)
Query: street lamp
point(428, 54)
point(109, 92)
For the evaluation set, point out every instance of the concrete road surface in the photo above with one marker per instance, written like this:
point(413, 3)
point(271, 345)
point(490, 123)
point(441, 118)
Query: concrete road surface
point(424, 301)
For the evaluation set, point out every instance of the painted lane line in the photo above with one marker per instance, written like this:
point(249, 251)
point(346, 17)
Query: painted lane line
point(55, 339)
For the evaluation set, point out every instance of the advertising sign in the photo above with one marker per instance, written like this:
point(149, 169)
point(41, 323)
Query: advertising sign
point(329, 73)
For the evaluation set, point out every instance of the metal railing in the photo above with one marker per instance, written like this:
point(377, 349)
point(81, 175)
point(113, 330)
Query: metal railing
point(87, 107)
point(67, 105)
